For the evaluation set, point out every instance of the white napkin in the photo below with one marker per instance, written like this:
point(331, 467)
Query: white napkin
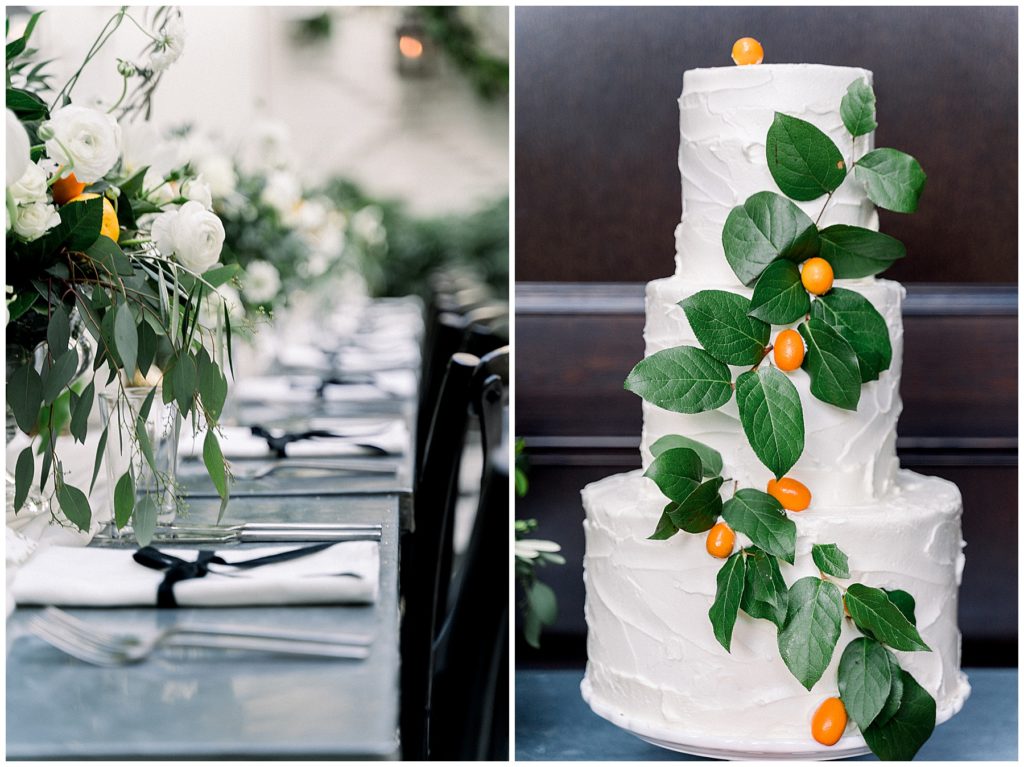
point(99, 577)
point(387, 385)
point(240, 442)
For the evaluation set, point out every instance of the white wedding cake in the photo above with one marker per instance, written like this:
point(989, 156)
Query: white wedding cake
point(654, 664)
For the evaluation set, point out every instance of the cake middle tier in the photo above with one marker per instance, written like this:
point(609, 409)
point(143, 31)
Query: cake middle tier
point(849, 457)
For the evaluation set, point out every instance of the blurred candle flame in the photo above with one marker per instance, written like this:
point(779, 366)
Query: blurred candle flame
point(410, 47)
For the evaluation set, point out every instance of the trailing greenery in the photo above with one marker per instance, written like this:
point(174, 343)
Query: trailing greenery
point(458, 40)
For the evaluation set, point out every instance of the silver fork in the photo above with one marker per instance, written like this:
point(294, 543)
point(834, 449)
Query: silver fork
point(104, 648)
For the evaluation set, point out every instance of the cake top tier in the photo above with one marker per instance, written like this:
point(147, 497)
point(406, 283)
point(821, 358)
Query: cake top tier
point(725, 114)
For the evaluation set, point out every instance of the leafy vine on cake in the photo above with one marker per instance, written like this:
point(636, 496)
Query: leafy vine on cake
point(842, 342)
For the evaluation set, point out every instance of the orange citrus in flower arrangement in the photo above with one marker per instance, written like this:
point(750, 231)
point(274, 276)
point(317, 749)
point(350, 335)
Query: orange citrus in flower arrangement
point(64, 190)
point(110, 227)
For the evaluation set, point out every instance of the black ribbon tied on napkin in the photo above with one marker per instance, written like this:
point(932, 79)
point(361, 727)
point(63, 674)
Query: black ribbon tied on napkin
point(177, 569)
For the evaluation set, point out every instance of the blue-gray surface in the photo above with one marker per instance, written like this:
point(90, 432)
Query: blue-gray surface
point(209, 704)
point(553, 723)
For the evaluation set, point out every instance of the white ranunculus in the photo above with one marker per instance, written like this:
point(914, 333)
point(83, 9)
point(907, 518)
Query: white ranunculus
point(92, 138)
point(218, 173)
point(17, 148)
point(261, 282)
point(169, 46)
point(531, 549)
point(211, 308)
point(192, 234)
point(36, 219)
point(283, 193)
point(197, 189)
point(31, 187)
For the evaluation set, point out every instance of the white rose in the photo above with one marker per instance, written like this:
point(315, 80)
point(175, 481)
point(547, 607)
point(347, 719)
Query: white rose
point(211, 309)
point(170, 45)
point(197, 189)
point(31, 187)
point(92, 139)
point(192, 234)
point(219, 174)
point(36, 219)
point(17, 148)
point(261, 282)
point(282, 193)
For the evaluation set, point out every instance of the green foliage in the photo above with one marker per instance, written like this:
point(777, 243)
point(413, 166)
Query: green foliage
point(804, 162)
point(813, 623)
point(865, 680)
point(676, 472)
point(721, 323)
point(893, 180)
point(873, 611)
point(832, 365)
point(762, 519)
point(699, 509)
point(710, 459)
point(684, 379)
point(764, 228)
point(830, 559)
point(901, 736)
point(728, 596)
point(772, 417)
point(779, 295)
point(765, 594)
point(447, 28)
point(854, 252)
point(858, 109)
point(855, 319)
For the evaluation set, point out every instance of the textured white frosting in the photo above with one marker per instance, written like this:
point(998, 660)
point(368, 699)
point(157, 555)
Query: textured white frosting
point(724, 116)
point(654, 665)
point(849, 457)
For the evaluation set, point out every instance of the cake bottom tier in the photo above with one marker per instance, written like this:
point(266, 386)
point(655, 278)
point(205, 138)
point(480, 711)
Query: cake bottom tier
point(654, 666)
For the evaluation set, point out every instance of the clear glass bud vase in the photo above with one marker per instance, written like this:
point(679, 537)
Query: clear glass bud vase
point(146, 450)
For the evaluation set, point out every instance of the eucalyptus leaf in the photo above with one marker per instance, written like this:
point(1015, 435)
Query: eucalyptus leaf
point(855, 252)
point(25, 396)
point(832, 365)
point(80, 410)
point(720, 321)
point(24, 471)
point(676, 472)
point(100, 447)
point(765, 595)
point(144, 519)
point(902, 735)
point(684, 379)
point(813, 622)
point(855, 319)
point(779, 296)
point(766, 227)
point(543, 602)
point(858, 108)
point(865, 680)
point(762, 519)
point(698, 512)
point(710, 459)
point(893, 180)
point(830, 559)
point(772, 417)
point(804, 162)
point(213, 458)
point(184, 377)
point(872, 609)
point(58, 331)
point(728, 595)
point(59, 375)
point(126, 338)
point(124, 499)
point(75, 505)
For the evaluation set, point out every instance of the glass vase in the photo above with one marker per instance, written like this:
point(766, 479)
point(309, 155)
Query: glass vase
point(153, 471)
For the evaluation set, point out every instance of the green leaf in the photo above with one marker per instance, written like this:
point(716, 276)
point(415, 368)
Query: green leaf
point(830, 559)
point(698, 512)
point(666, 527)
point(25, 396)
point(765, 595)
point(904, 602)
point(144, 519)
point(779, 296)
point(111, 259)
point(855, 252)
point(59, 375)
point(25, 104)
point(854, 318)
point(126, 338)
point(676, 472)
point(75, 505)
point(124, 499)
point(144, 443)
point(894, 180)
point(21, 304)
point(100, 447)
point(81, 222)
point(763, 520)
point(728, 596)
point(772, 417)
point(80, 410)
point(149, 343)
point(147, 405)
point(802, 159)
point(858, 108)
point(184, 377)
point(764, 228)
point(902, 736)
point(58, 331)
point(543, 602)
point(892, 703)
point(832, 365)
point(684, 379)
point(213, 386)
point(23, 472)
point(719, 320)
point(132, 187)
point(710, 459)
point(871, 609)
point(221, 274)
point(214, 460)
point(813, 623)
point(865, 680)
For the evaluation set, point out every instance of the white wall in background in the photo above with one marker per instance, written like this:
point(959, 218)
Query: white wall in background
point(431, 142)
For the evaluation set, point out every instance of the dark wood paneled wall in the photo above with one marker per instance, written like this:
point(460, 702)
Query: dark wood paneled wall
point(597, 128)
point(576, 342)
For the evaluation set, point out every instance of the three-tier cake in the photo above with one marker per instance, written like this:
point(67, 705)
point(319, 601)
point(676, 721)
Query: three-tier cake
point(654, 665)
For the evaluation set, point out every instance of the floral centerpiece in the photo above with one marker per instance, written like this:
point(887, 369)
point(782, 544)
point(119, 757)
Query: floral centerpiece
point(109, 261)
